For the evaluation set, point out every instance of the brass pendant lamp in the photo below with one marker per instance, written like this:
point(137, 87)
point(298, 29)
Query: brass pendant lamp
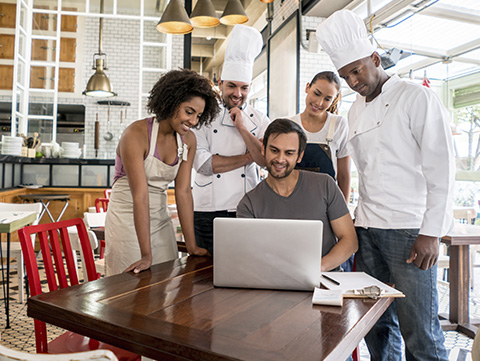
point(99, 84)
point(233, 13)
point(175, 19)
point(204, 15)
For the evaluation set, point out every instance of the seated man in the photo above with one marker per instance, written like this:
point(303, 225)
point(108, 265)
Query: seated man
point(288, 193)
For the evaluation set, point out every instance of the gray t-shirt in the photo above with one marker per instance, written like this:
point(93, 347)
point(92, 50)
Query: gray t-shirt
point(315, 197)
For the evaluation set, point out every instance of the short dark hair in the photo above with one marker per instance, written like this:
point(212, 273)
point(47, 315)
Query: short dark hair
point(179, 86)
point(332, 78)
point(285, 126)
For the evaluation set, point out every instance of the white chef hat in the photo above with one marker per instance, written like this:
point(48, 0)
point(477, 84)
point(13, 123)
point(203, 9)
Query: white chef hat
point(344, 37)
point(243, 47)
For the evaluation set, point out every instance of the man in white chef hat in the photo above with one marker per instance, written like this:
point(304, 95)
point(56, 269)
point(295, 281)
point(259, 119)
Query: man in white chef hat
point(229, 150)
point(400, 141)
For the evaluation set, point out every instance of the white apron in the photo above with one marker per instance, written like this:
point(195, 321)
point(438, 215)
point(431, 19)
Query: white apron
point(121, 243)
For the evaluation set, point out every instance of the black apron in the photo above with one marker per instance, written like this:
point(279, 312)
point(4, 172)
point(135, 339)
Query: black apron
point(317, 158)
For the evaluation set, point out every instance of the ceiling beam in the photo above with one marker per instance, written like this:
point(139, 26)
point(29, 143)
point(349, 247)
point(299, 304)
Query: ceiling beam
point(388, 12)
point(416, 66)
point(218, 32)
point(446, 12)
point(203, 51)
point(464, 48)
point(423, 51)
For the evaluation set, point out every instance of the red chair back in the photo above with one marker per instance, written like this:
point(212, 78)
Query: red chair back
point(101, 204)
point(55, 247)
point(107, 193)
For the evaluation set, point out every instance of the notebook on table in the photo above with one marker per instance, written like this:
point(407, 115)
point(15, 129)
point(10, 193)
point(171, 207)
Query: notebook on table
point(267, 253)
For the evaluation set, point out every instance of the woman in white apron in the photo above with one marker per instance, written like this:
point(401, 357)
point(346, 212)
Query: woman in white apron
point(326, 131)
point(151, 154)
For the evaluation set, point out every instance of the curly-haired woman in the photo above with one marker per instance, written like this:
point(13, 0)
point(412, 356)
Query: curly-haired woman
point(152, 153)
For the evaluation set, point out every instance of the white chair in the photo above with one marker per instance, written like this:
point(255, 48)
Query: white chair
point(76, 247)
point(93, 220)
point(15, 249)
point(7, 354)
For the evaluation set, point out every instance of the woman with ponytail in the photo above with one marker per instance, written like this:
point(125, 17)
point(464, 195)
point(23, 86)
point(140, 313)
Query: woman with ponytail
point(327, 132)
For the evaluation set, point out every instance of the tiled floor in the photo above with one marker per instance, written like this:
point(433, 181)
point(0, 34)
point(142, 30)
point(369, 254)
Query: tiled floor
point(21, 335)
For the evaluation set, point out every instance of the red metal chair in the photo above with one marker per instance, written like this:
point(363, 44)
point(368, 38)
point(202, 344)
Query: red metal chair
point(107, 193)
point(53, 239)
point(101, 204)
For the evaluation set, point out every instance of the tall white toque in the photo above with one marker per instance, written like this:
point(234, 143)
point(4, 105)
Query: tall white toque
point(343, 36)
point(243, 47)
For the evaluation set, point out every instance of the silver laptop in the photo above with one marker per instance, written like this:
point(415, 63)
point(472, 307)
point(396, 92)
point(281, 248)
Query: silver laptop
point(267, 253)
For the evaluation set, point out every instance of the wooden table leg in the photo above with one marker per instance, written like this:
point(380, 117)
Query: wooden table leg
point(459, 284)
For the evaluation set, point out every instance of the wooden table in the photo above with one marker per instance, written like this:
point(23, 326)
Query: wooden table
point(10, 222)
point(459, 240)
point(173, 312)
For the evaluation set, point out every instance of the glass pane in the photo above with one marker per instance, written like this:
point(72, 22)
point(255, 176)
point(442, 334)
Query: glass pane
point(23, 17)
point(41, 97)
point(22, 49)
point(149, 80)
point(155, 57)
point(95, 6)
point(8, 175)
point(19, 100)
point(151, 34)
point(144, 107)
point(65, 175)
point(40, 109)
point(21, 73)
point(44, 127)
point(41, 77)
point(95, 176)
point(128, 7)
point(73, 5)
point(155, 8)
point(17, 173)
point(43, 50)
point(112, 173)
point(42, 4)
point(36, 174)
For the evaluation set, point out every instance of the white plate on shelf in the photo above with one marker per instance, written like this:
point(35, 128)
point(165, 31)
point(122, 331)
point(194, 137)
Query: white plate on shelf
point(31, 186)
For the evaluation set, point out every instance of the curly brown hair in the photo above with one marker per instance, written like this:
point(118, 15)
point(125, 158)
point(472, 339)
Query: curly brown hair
point(178, 86)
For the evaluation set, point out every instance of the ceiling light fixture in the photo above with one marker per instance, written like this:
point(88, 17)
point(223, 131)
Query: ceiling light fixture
point(204, 15)
point(233, 13)
point(175, 19)
point(99, 84)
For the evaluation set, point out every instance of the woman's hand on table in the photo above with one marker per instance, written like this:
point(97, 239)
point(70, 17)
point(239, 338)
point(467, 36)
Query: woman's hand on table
point(140, 265)
point(198, 251)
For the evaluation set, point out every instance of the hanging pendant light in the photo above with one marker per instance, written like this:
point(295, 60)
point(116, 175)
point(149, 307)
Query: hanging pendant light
point(233, 13)
point(204, 15)
point(266, 1)
point(175, 19)
point(99, 84)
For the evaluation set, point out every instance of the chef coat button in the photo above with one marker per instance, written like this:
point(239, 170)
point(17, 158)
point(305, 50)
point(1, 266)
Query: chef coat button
point(387, 105)
point(215, 131)
point(218, 175)
point(378, 123)
point(251, 115)
point(243, 175)
point(355, 132)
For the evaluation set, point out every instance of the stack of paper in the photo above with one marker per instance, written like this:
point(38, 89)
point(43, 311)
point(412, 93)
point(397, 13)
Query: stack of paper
point(327, 297)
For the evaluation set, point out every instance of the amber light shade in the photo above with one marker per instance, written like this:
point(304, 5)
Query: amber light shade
point(204, 15)
point(233, 13)
point(175, 19)
point(266, 1)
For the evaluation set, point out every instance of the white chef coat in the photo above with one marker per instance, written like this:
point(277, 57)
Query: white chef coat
point(402, 146)
point(223, 191)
